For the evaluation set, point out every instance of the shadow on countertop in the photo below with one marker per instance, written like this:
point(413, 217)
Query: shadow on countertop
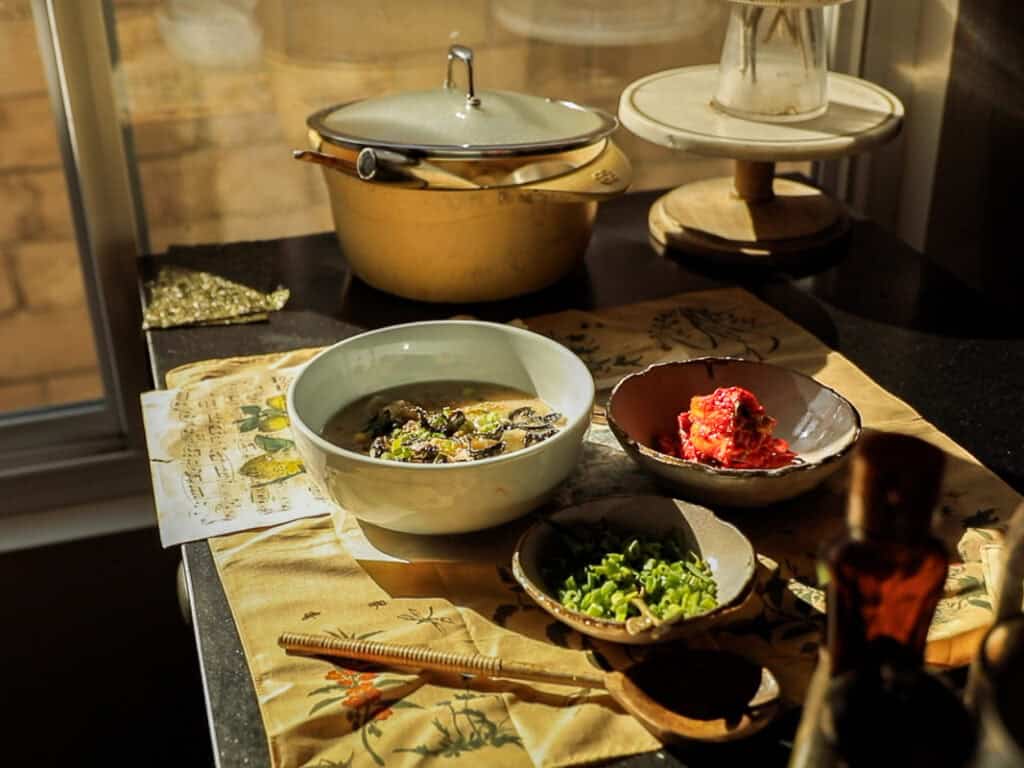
point(861, 275)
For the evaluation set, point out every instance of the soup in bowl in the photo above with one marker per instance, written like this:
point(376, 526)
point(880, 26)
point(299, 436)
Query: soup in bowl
point(441, 427)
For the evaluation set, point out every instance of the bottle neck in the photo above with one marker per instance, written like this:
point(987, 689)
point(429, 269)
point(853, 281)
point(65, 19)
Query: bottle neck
point(896, 529)
point(894, 486)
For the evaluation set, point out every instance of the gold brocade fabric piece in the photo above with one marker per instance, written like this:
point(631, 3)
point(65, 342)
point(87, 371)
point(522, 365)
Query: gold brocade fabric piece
point(299, 576)
point(180, 296)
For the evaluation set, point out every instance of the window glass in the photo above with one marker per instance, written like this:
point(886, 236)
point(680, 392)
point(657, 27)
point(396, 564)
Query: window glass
point(216, 92)
point(49, 353)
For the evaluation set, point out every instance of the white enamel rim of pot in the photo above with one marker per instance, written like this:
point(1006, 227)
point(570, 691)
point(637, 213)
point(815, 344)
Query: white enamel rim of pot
point(607, 124)
point(565, 433)
point(803, 466)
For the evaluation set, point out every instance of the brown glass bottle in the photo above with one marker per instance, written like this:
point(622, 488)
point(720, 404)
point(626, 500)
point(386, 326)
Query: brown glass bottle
point(886, 576)
point(871, 702)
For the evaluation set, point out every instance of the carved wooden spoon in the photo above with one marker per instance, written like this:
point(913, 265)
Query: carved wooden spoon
point(694, 695)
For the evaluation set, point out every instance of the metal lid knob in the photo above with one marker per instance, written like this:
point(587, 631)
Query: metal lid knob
point(465, 55)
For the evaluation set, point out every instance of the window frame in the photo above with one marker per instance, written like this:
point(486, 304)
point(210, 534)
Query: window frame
point(885, 43)
point(88, 451)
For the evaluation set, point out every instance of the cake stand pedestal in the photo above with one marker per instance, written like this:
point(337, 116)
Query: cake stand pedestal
point(753, 217)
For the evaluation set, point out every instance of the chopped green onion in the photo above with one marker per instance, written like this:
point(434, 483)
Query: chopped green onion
point(602, 572)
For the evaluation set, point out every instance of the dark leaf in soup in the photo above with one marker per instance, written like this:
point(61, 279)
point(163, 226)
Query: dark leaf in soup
point(380, 424)
point(456, 419)
point(522, 414)
point(538, 436)
point(424, 452)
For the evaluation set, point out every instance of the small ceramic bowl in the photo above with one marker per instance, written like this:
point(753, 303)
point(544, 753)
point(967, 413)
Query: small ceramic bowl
point(819, 424)
point(728, 552)
point(441, 498)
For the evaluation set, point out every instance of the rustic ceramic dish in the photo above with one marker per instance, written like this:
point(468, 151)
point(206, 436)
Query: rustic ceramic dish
point(819, 424)
point(728, 552)
point(440, 498)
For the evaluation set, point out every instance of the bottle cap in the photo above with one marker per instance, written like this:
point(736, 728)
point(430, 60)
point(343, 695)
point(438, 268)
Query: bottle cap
point(894, 486)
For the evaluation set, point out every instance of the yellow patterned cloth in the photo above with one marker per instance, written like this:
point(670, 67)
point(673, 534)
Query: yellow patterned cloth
point(299, 576)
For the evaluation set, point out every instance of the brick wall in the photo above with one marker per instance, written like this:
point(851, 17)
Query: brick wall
point(44, 319)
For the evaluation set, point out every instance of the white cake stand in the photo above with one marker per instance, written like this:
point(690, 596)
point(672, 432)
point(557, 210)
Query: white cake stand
point(752, 217)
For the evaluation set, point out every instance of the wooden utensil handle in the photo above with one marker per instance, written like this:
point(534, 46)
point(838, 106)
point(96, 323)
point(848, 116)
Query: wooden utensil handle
point(426, 658)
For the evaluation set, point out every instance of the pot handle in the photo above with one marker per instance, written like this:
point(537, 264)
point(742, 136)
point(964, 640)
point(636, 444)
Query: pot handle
point(316, 141)
point(327, 161)
point(391, 174)
point(465, 55)
point(606, 176)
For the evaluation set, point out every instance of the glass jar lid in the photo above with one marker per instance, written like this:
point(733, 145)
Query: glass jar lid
point(449, 122)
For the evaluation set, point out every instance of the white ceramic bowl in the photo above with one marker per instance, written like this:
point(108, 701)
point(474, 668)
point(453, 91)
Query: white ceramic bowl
point(728, 552)
point(819, 424)
point(440, 498)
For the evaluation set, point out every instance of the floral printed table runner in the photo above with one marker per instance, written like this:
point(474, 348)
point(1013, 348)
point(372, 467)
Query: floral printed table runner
point(301, 575)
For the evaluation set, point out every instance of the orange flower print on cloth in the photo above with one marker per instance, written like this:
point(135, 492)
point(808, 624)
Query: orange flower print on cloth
point(358, 689)
point(466, 723)
point(361, 696)
point(349, 679)
point(365, 699)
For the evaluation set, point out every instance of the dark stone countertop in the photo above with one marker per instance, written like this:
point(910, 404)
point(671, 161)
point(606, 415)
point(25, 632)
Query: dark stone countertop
point(956, 358)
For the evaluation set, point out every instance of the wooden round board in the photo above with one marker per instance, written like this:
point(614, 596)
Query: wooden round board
point(708, 219)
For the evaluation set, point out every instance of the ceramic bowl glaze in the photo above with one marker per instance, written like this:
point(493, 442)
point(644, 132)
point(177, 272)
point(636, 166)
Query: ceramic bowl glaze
point(728, 552)
point(440, 498)
point(819, 424)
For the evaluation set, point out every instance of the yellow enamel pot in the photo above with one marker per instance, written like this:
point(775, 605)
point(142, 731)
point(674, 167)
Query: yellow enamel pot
point(468, 197)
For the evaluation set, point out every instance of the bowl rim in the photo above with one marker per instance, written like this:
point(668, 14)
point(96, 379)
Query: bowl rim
point(554, 607)
point(629, 441)
point(325, 445)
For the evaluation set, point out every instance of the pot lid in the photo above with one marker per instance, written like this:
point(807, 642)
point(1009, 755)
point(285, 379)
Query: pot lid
point(450, 122)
